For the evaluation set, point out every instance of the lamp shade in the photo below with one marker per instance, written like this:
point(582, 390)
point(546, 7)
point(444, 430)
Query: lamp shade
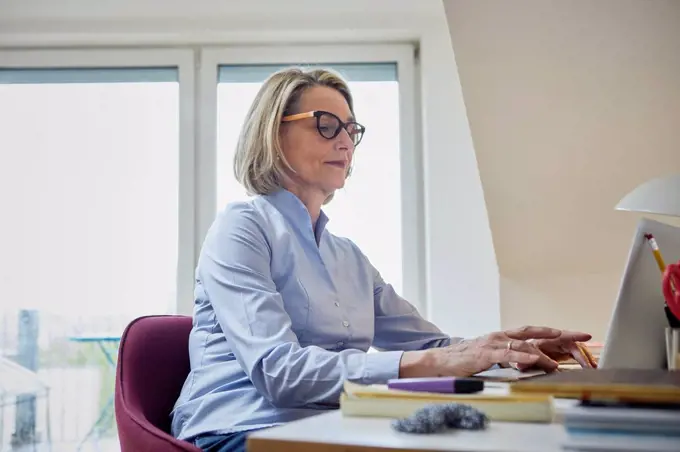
point(658, 196)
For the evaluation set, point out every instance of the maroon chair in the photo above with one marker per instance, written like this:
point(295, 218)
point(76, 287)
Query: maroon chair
point(153, 362)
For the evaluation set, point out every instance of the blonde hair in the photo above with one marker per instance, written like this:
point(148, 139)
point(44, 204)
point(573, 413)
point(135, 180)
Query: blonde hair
point(258, 158)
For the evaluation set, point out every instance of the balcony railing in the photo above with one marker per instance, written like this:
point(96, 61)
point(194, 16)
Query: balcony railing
point(58, 383)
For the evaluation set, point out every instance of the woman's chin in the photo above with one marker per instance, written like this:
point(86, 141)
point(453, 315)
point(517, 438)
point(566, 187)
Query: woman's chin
point(334, 184)
point(339, 185)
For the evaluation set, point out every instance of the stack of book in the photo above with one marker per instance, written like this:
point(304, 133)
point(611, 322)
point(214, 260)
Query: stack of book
point(617, 409)
point(630, 427)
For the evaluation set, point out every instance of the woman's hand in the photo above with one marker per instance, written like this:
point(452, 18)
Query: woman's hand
point(562, 348)
point(522, 347)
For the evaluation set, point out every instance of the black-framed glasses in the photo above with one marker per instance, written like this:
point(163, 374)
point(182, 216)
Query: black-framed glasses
point(329, 125)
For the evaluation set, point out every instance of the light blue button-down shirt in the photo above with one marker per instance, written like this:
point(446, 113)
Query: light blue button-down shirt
point(284, 314)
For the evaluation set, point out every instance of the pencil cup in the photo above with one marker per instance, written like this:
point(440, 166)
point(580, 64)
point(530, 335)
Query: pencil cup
point(673, 348)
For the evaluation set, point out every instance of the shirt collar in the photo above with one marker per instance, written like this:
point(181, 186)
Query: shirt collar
point(296, 212)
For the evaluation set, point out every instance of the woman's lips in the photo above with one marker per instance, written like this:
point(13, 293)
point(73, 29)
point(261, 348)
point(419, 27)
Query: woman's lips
point(338, 164)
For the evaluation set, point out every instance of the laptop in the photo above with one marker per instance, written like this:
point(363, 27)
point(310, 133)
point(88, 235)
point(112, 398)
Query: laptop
point(635, 336)
point(636, 333)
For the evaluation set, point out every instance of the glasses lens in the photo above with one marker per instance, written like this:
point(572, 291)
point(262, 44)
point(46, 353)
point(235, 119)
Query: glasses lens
point(328, 125)
point(356, 132)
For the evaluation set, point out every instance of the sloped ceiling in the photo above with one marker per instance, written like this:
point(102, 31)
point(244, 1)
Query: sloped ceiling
point(571, 105)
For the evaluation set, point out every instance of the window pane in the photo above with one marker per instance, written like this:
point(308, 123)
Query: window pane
point(368, 209)
point(88, 183)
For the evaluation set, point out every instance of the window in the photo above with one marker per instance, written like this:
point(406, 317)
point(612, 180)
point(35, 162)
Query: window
point(368, 209)
point(89, 169)
point(90, 184)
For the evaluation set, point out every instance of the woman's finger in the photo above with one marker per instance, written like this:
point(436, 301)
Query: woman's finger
point(506, 356)
point(533, 332)
point(543, 362)
point(576, 336)
point(578, 355)
point(524, 367)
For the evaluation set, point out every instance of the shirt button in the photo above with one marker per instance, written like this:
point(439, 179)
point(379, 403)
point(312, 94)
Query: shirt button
point(345, 323)
point(337, 304)
point(340, 344)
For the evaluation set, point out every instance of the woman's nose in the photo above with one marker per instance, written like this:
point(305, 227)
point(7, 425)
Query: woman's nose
point(346, 139)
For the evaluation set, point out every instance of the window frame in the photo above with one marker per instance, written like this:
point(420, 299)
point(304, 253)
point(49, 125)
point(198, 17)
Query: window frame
point(184, 61)
point(412, 197)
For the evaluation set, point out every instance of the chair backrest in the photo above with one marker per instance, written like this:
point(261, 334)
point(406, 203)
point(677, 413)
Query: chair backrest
point(153, 362)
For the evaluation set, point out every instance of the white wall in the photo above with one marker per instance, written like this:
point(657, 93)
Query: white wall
point(461, 271)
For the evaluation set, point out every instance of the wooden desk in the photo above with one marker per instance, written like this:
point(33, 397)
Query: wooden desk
point(334, 433)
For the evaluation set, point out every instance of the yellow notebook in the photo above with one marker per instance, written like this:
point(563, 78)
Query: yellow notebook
point(497, 404)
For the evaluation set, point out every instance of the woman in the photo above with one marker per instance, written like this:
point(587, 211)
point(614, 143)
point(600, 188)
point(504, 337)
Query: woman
point(285, 311)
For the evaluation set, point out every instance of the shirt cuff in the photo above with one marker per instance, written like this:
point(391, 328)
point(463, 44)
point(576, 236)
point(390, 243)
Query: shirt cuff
point(382, 366)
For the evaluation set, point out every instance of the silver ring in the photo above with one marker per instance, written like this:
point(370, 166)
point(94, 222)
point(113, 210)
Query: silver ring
point(509, 346)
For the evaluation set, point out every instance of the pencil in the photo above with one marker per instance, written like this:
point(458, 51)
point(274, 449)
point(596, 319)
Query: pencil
point(656, 252)
point(657, 256)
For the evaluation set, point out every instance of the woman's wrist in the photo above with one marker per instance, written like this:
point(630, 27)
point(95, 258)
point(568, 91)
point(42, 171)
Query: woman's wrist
point(414, 364)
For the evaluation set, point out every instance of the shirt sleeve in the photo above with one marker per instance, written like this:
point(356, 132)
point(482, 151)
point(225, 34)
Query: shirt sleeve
point(399, 325)
point(235, 271)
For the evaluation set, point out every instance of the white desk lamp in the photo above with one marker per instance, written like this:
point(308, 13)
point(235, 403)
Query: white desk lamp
point(658, 196)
